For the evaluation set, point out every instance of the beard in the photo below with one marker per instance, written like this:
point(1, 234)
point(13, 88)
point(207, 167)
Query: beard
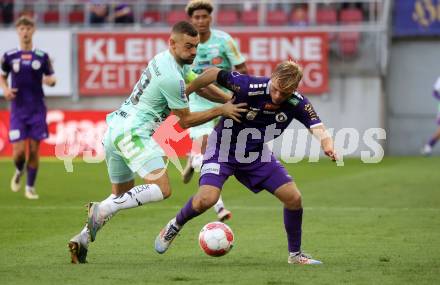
point(186, 60)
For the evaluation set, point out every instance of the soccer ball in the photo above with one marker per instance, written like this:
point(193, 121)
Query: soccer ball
point(216, 239)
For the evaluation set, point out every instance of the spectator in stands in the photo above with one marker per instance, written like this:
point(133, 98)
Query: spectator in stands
point(299, 15)
point(122, 14)
point(7, 11)
point(98, 12)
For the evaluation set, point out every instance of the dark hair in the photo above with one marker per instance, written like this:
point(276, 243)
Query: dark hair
point(24, 21)
point(184, 27)
point(198, 5)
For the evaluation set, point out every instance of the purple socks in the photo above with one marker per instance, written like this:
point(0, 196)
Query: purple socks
point(186, 213)
point(292, 223)
point(31, 175)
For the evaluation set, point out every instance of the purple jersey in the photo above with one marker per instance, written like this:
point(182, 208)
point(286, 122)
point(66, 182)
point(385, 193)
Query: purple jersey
point(267, 119)
point(27, 69)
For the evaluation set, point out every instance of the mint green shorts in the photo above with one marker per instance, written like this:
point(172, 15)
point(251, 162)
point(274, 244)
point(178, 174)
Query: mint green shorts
point(129, 152)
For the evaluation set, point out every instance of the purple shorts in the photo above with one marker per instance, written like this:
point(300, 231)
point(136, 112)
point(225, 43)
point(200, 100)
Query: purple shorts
point(256, 176)
point(32, 126)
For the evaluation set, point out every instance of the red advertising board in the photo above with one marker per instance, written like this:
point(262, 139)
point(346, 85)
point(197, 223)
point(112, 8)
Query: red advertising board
point(110, 63)
point(79, 133)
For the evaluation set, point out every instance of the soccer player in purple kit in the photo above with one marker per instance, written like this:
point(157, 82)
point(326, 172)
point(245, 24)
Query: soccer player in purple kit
point(272, 104)
point(427, 148)
point(29, 68)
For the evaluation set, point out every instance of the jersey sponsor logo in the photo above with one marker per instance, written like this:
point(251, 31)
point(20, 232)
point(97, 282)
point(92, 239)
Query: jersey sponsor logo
point(255, 93)
point(26, 56)
point(213, 168)
point(281, 117)
point(270, 106)
point(214, 51)
point(36, 64)
point(312, 114)
point(14, 134)
point(257, 85)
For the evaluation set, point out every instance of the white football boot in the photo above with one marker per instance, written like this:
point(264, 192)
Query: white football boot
point(166, 236)
point(301, 258)
point(31, 193)
point(15, 181)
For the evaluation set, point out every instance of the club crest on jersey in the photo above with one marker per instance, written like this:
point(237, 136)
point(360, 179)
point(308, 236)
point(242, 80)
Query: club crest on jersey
point(16, 66)
point(251, 115)
point(281, 117)
point(36, 64)
point(217, 60)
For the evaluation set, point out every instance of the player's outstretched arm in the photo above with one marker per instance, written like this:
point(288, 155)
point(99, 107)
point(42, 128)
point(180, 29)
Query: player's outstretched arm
point(214, 94)
point(9, 93)
point(206, 78)
point(321, 133)
point(191, 119)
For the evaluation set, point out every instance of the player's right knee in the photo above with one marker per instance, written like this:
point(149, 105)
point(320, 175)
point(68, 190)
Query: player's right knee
point(20, 156)
point(166, 191)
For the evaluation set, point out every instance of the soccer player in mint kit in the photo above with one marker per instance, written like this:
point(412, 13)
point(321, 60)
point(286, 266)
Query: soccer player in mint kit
point(29, 68)
point(128, 142)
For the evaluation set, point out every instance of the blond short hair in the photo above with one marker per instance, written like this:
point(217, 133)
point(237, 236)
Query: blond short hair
point(194, 5)
point(288, 74)
point(24, 21)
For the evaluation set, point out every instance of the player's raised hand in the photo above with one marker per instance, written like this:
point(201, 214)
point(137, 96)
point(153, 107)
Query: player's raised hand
point(233, 111)
point(10, 93)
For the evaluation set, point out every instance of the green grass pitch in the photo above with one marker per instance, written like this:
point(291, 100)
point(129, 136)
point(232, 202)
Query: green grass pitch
point(368, 223)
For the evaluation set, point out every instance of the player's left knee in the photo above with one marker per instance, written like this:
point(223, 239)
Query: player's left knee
point(294, 202)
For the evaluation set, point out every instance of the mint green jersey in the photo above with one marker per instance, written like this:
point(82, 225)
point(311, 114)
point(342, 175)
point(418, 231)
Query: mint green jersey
point(160, 89)
point(219, 50)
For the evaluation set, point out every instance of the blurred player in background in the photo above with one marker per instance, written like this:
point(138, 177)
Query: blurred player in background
point(30, 68)
point(273, 103)
point(128, 142)
point(427, 148)
point(219, 49)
